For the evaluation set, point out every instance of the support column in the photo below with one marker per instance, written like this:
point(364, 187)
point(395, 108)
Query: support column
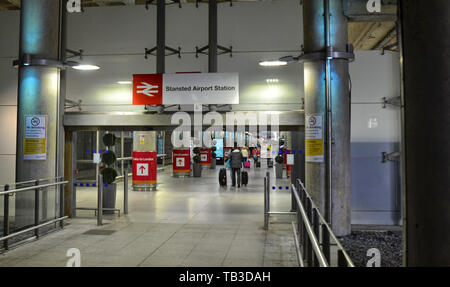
point(298, 169)
point(70, 164)
point(425, 28)
point(40, 92)
point(212, 55)
point(161, 37)
point(327, 95)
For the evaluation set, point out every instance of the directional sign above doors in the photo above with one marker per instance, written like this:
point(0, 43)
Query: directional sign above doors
point(196, 88)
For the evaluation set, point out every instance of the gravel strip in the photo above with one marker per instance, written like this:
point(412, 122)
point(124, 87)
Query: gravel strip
point(389, 243)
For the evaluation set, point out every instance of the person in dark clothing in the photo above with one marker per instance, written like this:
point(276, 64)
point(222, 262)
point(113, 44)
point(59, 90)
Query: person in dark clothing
point(236, 165)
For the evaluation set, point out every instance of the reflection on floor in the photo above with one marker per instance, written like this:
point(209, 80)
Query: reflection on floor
point(186, 222)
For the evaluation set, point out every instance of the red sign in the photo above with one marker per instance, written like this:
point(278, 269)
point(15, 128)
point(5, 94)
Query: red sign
point(144, 167)
point(181, 159)
point(148, 89)
point(205, 156)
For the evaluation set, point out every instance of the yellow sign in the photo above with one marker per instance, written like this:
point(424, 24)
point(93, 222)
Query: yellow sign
point(314, 147)
point(34, 146)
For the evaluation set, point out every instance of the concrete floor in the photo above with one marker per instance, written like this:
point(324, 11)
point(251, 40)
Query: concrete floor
point(186, 222)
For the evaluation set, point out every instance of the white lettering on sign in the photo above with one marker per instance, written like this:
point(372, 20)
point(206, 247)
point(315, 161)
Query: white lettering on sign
point(147, 89)
point(374, 6)
point(74, 6)
point(206, 88)
point(142, 169)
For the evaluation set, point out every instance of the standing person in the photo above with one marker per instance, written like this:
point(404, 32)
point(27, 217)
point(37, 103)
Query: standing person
point(255, 154)
point(236, 165)
point(245, 153)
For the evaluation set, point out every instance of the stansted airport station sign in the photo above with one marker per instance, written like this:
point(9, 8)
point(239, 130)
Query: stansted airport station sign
point(178, 89)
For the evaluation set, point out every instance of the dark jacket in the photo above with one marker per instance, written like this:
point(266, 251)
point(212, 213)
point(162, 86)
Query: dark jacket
point(236, 159)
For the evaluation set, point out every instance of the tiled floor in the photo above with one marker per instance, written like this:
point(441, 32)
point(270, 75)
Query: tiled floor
point(186, 222)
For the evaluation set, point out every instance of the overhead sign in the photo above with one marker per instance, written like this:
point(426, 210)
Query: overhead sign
point(314, 138)
point(35, 141)
point(177, 89)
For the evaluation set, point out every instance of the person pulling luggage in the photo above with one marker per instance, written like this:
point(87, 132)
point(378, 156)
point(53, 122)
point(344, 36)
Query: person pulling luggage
point(236, 165)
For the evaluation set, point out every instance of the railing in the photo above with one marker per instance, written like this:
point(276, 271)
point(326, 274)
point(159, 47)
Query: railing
point(100, 198)
point(37, 186)
point(312, 233)
point(267, 211)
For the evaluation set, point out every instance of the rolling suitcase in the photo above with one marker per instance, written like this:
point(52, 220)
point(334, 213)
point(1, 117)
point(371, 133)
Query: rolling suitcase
point(247, 164)
point(270, 163)
point(258, 164)
point(244, 178)
point(223, 177)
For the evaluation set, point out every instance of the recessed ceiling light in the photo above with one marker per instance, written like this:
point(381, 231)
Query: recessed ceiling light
point(124, 82)
point(271, 81)
point(274, 63)
point(86, 67)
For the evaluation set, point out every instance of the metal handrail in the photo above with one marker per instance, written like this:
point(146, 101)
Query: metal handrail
point(37, 188)
point(313, 239)
point(324, 223)
point(33, 228)
point(320, 220)
point(31, 181)
point(34, 187)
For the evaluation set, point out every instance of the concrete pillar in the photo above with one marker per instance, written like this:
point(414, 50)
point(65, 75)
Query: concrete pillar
point(298, 169)
point(425, 28)
point(330, 187)
point(40, 93)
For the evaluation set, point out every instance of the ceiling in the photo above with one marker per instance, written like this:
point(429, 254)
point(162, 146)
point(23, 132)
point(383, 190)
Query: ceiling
point(363, 35)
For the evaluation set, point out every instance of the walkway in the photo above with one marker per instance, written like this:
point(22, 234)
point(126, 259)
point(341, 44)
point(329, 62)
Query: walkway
point(187, 222)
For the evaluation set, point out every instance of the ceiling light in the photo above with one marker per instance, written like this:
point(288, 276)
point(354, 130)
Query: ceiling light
point(274, 63)
point(124, 82)
point(272, 81)
point(86, 67)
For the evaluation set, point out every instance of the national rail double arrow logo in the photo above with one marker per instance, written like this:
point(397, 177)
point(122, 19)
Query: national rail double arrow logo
point(147, 89)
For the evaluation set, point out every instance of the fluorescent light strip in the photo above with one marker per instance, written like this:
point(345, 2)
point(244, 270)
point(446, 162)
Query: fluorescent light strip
point(86, 67)
point(272, 63)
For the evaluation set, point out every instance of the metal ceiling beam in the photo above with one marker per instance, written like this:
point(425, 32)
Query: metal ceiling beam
point(387, 39)
point(144, 119)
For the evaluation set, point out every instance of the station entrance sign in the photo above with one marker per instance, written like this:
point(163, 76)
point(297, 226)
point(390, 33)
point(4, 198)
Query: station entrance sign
point(177, 89)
